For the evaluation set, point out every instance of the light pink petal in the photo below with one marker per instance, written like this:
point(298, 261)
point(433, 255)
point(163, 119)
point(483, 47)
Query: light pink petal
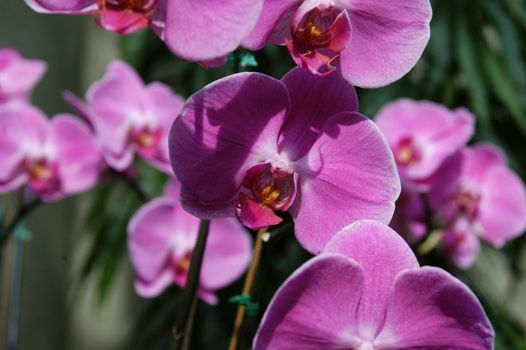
point(150, 289)
point(225, 129)
point(430, 309)
point(63, 6)
point(201, 30)
point(502, 208)
point(164, 106)
point(349, 174)
point(79, 107)
point(315, 308)
point(314, 99)
point(172, 188)
point(227, 255)
point(461, 243)
point(381, 254)
point(20, 76)
point(77, 152)
point(149, 236)
point(388, 39)
point(273, 25)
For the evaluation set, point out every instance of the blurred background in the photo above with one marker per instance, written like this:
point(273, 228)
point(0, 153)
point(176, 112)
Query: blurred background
point(76, 287)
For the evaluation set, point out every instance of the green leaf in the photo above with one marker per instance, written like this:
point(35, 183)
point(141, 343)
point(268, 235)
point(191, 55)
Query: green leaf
point(503, 87)
point(467, 58)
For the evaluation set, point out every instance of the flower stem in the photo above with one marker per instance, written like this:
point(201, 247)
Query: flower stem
point(182, 329)
point(262, 237)
point(430, 242)
point(22, 212)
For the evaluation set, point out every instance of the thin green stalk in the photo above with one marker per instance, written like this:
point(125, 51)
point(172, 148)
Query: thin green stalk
point(184, 320)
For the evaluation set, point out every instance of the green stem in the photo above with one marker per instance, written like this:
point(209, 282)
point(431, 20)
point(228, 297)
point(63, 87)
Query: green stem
point(184, 321)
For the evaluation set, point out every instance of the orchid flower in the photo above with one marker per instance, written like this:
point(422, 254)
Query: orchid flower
point(161, 240)
point(196, 30)
point(18, 75)
point(130, 117)
point(55, 158)
point(366, 291)
point(371, 43)
point(422, 135)
point(478, 198)
point(253, 146)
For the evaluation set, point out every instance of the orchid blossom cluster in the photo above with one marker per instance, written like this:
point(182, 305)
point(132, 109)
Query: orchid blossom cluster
point(464, 194)
point(250, 151)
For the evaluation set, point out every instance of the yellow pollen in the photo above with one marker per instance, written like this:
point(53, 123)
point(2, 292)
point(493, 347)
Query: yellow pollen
point(182, 265)
point(312, 30)
point(405, 155)
point(39, 172)
point(269, 194)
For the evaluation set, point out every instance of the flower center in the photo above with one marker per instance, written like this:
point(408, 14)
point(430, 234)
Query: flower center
point(43, 175)
point(466, 201)
point(265, 188)
point(124, 16)
point(183, 265)
point(407, 152)
point(318, 37)
point(146, 138)
point(144, 7)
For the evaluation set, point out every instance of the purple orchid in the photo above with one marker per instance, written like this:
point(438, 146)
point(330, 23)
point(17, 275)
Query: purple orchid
point(409, 216)
point(55, 158)
point(161, 239)
point(196, 30)
point(129, 117)
point(421, 135)
point(478, 197)
point(250, 145)
point(18, 76)
point(372, 43)
point(366, 291)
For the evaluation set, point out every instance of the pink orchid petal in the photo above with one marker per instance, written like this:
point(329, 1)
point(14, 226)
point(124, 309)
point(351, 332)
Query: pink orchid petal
point(388, 39)
point(461, 243)
point(202, 30)
point(221, 140)
point(150, 231)
point(63, 6)
point(381, 254)
point(349, 174)
point(274, 22)
point(431, 309)
point(18, 76)
point(121, 21)
point(313, 100)
point(255, 215)
point(227, 255)
point(502, 209)
point(314, 309)
point(172, 188)
point(153, 288)
point(78, 154)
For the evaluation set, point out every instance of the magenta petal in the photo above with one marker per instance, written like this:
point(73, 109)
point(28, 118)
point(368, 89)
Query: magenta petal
point(227, 255)
point(313, 99)
point(77, 152)
point(224, 129)
point(315, 308)
point(150, 289)
point(18, 76)
point(150, 231)
point(349, 174)
point(202, 30)
point(430, 309)
point(255, 215)
point(63, 6)
point(461, 243)
point(502, 209)
point(273, 25)
point(382, 254)
point(387, 41)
